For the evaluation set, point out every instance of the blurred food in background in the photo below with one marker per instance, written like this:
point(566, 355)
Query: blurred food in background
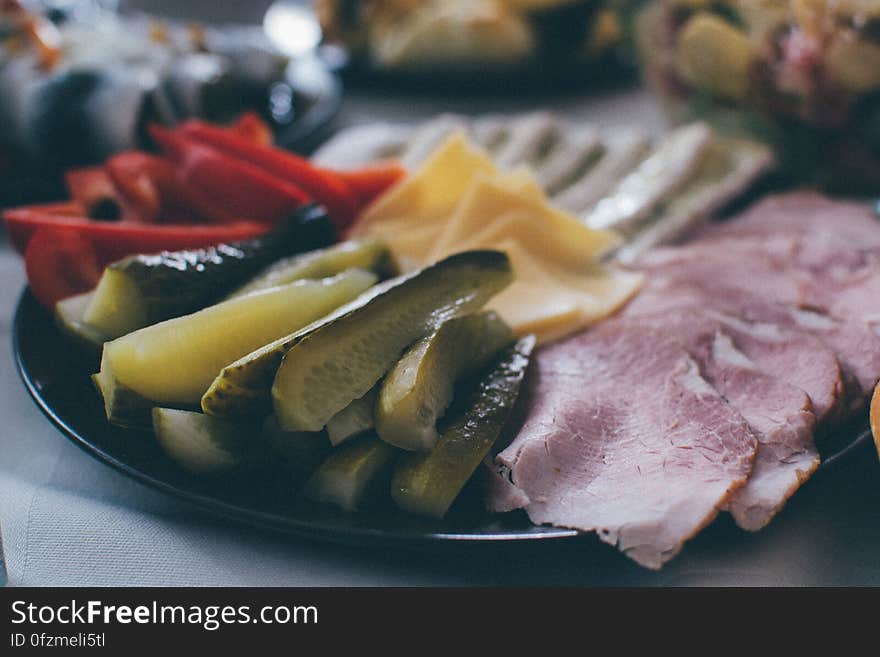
point(802, 74)
point(79, 84)
point(473, 35)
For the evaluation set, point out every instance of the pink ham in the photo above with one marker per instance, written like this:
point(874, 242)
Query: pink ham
point(626, 438)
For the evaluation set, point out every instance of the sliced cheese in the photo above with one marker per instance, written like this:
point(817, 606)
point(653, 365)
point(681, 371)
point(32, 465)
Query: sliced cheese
point(461, 201)
point(497, 206)
point(552, 302)
point(432, 192)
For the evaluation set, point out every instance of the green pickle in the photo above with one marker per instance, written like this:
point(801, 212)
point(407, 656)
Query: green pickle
point(206, 445)
point(428, 483)
point(369, 254)
point(301, 452)
point(337, 360)
point(141, 290)
point(354, 419)
point(354, 475)
point(69, 318)
point(419, 389)
point(174, 362)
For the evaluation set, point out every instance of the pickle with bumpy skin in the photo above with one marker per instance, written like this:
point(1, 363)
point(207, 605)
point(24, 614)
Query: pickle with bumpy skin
point(354, 474)
point(418, 390)
point(206, 445)
point(428, 483)
point(337, 360)
point(173, 363)
point(348, 351)
point(141, 290)
point(368, 254)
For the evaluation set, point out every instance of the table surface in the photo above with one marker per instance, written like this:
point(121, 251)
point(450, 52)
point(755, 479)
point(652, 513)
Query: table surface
point(67, 519)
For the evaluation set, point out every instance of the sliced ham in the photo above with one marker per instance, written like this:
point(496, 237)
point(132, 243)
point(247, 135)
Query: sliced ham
point(779, 413)
point(855, 345)
point(625, 437)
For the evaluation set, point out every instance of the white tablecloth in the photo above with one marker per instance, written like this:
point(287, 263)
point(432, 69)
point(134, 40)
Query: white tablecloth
point(67, 519)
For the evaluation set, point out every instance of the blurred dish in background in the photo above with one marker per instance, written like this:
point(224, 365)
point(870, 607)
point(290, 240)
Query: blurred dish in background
point(81, 84)
point(801, 74)
point(480, 40)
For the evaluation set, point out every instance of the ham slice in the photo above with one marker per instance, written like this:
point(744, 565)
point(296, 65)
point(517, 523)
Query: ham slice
point(626, 438)
point(780, 414)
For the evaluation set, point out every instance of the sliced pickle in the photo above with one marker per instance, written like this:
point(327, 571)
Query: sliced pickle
point(368, 254)
point(419, 389)
point(174, 362)
point(69, 318)
point(145, 289)
point(354, 419)
point(428, 483)
point(411, 305)
point(338, 359)
point(208, 445)
point(302, 452)
point(124, 407)
point(354, 475)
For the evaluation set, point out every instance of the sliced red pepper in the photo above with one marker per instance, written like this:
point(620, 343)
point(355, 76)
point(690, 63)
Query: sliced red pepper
point(240, 187)
point(60, 263)
point(253, 128)
point(324, 186)
point(92, 188)
point(151, 185)
point(370, 182)
point(19, 234)
point(117, 240)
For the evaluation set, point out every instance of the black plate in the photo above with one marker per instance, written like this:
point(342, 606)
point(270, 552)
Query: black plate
point(57, 377)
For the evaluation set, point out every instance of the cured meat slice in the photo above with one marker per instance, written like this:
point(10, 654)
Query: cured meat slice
point(779, 413)
point(805, 212)
point(626, 438)
point(855, 345)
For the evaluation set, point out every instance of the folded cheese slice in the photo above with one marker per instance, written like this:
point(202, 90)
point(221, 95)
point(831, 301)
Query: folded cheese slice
point(459, 201)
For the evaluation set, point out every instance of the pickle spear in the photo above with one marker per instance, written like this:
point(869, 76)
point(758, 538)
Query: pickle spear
point(354, 474)
point(419, 389)
point(428, 483)
point(368, 254)
point(206, 445)
point(337, 360)
point(302, 452)
point(141, 290)
point(354, 419)
point(356, 344)
point(173, 362)
point(69, 318)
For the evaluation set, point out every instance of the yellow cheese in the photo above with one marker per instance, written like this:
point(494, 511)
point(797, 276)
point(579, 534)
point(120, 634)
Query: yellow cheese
point(432, 192)
point(460, 201)
point(493, 208)
point(552, 302)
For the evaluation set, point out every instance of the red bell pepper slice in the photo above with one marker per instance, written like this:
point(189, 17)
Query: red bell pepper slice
point(59, 264)
point(151, 186)
point(324, 186)
point(251, 127)
point(119, 239)
point(372, 181)
point(92, 188)
point(240, 187)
